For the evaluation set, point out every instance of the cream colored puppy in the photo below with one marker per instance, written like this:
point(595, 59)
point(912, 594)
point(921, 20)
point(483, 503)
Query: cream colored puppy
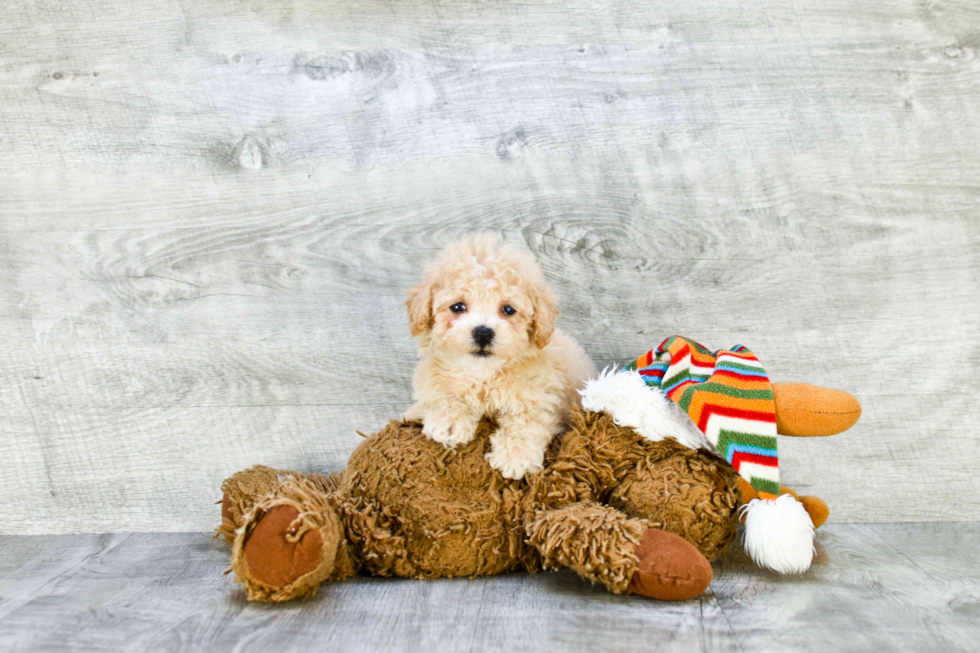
point(485, 324)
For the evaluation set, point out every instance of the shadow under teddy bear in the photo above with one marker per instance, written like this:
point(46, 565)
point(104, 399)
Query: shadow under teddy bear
point(637, 515)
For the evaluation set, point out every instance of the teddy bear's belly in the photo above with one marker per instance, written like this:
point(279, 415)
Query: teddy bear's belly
point(455, 514)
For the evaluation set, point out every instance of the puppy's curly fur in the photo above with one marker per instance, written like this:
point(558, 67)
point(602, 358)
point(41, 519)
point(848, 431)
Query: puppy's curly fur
point(485, 324)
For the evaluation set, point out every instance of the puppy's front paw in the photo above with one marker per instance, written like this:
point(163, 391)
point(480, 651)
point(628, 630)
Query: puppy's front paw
point(448, 430)
point(514, 461)
point(413, 414)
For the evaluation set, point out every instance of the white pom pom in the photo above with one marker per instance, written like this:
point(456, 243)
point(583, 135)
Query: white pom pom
point(626, 397)
point(779, 534)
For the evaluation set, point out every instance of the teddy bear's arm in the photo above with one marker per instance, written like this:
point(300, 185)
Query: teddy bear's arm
point(596, 541)
point(625, 554)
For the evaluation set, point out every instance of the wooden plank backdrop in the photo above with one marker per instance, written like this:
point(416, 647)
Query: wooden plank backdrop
point(210, 211)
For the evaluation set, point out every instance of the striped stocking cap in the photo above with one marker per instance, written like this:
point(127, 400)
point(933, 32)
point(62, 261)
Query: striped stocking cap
point(728, 396)
point(723, 402)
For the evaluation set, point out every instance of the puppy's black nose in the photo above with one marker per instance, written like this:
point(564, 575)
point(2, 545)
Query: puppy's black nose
point(483, 335)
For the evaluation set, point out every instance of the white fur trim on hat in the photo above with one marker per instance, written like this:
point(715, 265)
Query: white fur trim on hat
point(778, 534)
point(626, 397)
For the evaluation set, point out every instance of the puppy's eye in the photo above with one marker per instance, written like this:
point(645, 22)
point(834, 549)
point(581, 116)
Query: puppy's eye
point(458, 307)
point(507, 309)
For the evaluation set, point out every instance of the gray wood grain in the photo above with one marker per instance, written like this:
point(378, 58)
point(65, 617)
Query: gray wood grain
point(210, 212)
point(908, 587)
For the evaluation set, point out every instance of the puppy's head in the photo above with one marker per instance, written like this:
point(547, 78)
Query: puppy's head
point(482, 301)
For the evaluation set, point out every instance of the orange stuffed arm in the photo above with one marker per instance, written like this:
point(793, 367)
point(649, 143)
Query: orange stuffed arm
point(805, 410)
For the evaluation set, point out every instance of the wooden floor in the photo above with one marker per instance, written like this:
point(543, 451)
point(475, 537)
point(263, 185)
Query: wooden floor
point(875, 587)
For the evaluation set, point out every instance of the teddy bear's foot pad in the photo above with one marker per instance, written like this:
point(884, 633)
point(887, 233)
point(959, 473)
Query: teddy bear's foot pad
point(273, 553)
point(669, 568)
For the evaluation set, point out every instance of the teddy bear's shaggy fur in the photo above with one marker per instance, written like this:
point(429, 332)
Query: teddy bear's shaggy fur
point(407, 506)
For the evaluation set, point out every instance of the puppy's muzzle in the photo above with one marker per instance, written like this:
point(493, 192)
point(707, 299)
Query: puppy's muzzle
point(483, 336)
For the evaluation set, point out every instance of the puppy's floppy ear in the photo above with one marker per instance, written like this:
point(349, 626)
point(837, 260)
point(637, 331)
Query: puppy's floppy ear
point(419, 305)
point(545, 315)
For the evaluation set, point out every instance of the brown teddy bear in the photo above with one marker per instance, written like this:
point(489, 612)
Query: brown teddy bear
point(635, 513)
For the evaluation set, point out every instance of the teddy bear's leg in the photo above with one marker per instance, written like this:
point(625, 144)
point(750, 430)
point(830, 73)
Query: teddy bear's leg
point(241, 491)
point(289, 539)
point(626, 555)
point(686, 491)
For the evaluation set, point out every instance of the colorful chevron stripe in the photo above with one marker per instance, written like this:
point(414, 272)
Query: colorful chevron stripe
point(728, 395)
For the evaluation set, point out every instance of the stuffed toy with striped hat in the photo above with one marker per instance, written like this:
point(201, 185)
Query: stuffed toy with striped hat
point(723, 402)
